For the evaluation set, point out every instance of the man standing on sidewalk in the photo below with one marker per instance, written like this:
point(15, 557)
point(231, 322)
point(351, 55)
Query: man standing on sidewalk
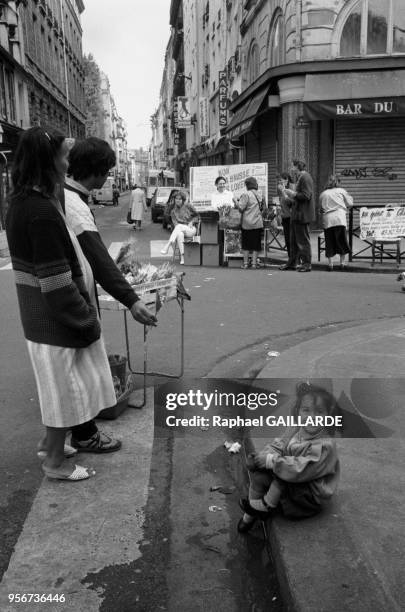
point(90, 161)
point(302, 215)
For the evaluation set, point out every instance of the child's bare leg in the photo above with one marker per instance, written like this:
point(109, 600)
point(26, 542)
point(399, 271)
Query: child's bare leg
point(270, 499)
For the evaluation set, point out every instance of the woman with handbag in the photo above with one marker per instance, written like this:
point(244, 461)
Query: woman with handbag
point(334, 204)
point(249, 205)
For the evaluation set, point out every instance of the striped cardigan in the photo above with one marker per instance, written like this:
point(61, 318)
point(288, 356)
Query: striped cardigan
point(55, 306)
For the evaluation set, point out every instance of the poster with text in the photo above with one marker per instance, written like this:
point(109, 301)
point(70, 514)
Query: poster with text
point(202, 181)
point(382, 223)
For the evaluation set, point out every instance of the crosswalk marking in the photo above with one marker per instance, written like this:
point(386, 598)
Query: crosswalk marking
point(6, 267)
point(114, 249)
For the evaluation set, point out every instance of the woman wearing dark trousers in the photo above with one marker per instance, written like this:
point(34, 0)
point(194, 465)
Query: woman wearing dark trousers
point(285, 182)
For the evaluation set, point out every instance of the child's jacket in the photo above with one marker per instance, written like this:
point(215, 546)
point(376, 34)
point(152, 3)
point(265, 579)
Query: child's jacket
point(313, 461)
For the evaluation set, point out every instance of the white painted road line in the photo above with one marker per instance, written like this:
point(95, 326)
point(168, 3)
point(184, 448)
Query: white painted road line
point(6, 267)
point(114, 249)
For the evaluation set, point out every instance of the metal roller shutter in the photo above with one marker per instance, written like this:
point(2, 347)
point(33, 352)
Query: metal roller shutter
point(252, 148)
point(370, 159)
point(268, 150)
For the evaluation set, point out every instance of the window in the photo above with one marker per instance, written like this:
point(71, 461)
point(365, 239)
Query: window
point(374, 27)
point(3, 104)
point(10, 95)
point(253, 65)
point(277, 44)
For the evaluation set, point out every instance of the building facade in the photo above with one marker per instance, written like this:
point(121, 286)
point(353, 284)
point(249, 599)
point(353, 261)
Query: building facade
point(326, 84)
point(54, 61)
point(277, 80)
point(14, 115)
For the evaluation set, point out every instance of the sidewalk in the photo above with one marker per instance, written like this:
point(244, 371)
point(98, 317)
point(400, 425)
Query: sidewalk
point(388, 266)
point(351, 556)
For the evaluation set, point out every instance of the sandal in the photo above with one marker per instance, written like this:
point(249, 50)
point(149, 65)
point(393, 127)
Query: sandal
point(98, 443)
point(79, 473)
point(68, 451)
point(256, 266)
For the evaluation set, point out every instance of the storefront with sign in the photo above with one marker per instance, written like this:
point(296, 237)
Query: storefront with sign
point(255, 127)
point(368, 130)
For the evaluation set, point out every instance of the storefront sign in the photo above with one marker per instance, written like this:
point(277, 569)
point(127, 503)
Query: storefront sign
point(223, 98)
point(202, 181)
point(183, 113)
point(378, 107)
point(176, 137)
point(382, 223)
point(204, 121)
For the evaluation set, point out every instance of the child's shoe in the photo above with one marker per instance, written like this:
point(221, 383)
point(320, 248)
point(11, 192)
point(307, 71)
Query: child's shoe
point(246, 507)
point(244, 527)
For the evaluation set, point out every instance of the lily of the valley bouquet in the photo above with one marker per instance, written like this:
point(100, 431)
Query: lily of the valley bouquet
point(146, 276)
point(229, 218)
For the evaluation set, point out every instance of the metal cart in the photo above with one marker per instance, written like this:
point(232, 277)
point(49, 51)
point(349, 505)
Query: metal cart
point(153, 294)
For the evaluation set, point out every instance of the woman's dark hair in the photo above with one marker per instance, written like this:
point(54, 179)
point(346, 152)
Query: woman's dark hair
point(301, 165)
point(181, 194)
point(305, 389)
point(285, 176)
point(333, 182)
point(251, 183)
point(219, 178)
point(35, 162)
point(90, 157)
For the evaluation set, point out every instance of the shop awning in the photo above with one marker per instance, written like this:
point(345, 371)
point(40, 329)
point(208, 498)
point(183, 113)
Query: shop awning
point(355, 95)
point(244, 117)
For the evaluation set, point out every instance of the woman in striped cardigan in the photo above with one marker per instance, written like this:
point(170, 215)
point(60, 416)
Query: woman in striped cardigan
point(55, 290)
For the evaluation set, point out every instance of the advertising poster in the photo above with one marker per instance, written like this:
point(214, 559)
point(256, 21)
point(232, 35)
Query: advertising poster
point(204, 118)
point(382, 223)
point(183, 112)
point(202, 181)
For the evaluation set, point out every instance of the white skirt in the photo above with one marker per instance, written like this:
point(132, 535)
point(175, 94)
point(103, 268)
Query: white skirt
point(73, 384)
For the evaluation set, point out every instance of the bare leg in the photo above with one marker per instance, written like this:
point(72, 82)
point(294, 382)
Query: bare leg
point(55, 437)
point(245, 258)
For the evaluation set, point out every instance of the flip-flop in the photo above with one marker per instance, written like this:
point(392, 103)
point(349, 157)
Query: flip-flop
point(68, 451)
point(79, 473)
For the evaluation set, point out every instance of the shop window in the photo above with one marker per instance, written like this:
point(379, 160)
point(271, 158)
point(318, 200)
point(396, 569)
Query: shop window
point(253, 63)
point(276, 48)
point(374, 27)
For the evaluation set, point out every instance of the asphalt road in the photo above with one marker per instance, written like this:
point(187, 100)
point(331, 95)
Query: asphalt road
point(234, 320)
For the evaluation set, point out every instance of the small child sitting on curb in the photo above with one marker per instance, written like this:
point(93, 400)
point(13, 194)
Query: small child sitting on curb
point(297, 471)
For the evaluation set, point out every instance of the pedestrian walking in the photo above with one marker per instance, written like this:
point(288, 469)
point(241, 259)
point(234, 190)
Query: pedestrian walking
point(334, 204)
point(299, 471)
point(302, 215)
point(55, 290)
point(89, 163)
point(285, 182)
point(137, 206)
point(184, 219)
point(116, 194)
point(249, 205)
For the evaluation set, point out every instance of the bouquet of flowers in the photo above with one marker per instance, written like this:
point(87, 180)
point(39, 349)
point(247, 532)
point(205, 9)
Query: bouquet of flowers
point(229, 218)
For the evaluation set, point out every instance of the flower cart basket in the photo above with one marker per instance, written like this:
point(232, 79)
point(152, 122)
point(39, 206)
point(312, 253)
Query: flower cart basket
point(154, 294)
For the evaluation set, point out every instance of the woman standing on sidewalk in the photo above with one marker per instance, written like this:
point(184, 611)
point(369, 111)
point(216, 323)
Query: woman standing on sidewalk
point(334, 203)
point(55, 290)
point(252, 222)
point(137, 206)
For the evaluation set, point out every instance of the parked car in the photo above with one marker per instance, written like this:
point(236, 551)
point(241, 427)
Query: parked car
point(158, 202)
point(167, 221)
point(105, 195)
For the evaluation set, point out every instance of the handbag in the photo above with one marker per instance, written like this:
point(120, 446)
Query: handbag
point(129, 218)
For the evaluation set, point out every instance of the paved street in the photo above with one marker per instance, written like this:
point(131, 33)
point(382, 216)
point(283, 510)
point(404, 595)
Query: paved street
point(146, 521)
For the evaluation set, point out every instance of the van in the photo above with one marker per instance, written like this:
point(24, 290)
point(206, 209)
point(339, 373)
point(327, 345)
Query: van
point(105, 194)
